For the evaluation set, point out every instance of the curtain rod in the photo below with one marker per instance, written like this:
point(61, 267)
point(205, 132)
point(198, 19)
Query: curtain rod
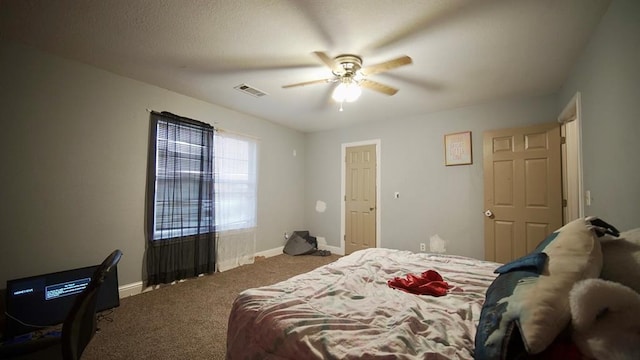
point(237, 133)
point(167, 113)
point(215, 128)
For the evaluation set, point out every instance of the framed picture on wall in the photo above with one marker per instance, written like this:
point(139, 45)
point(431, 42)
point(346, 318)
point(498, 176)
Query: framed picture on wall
point(457, 148)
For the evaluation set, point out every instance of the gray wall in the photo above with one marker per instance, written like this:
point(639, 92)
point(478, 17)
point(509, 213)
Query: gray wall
point(608, 78)
point(448, 200)
point(73, 149)
point(434, 199)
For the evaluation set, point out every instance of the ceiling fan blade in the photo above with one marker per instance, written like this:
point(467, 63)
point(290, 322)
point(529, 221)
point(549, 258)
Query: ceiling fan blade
point(319, 81)
point(376, 86)
point(335, 68)
point(386, 66)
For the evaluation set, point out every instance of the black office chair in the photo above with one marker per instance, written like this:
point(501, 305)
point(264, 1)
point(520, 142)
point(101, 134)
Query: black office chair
point(78, 327)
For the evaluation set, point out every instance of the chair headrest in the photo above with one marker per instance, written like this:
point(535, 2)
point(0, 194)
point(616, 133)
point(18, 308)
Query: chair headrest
point(107, 264)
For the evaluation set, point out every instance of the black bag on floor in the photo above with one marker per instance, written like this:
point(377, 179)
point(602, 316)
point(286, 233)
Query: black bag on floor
point(301, 243)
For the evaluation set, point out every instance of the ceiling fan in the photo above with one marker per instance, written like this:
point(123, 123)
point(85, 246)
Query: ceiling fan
point(348, 71)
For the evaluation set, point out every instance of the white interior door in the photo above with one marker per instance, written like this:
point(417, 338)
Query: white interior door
point(360, 198)
point(522, 189)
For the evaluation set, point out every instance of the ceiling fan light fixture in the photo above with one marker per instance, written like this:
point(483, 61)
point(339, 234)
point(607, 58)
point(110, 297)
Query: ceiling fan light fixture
point(352, 77)
point(348, 91)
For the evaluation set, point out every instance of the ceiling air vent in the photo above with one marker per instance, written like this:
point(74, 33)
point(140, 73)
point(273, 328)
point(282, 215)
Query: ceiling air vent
point(250, 90)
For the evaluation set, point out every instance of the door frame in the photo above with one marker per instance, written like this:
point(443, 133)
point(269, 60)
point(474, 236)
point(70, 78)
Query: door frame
point(573, 112)
point(343, 191)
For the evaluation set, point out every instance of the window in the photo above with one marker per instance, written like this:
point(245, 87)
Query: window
point(236, 181)
point(180, 199)
point(184, 179)
point(201, 191)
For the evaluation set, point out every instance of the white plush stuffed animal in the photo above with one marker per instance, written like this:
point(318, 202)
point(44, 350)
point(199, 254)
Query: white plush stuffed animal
point(605, 319)
point(621, 259)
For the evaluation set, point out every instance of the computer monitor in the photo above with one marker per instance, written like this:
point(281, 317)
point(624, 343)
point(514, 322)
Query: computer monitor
point(37, 302)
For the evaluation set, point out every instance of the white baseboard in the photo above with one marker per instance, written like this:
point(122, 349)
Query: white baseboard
point(271, 252)
point(139, 288)
point(132, 289)
point(334, 249)
point(278, 251)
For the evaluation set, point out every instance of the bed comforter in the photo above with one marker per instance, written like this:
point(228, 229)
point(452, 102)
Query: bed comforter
point(346, 310)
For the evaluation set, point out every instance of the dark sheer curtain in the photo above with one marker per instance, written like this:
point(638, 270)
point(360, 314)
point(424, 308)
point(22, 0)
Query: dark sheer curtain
point(180, 199)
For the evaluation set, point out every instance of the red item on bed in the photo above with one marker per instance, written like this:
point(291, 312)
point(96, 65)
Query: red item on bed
point(427, 283)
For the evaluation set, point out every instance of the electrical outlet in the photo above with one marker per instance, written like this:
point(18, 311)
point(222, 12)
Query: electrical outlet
point(423, 247)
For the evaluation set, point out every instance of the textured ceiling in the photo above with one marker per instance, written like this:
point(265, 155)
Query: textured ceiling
point(464, 52)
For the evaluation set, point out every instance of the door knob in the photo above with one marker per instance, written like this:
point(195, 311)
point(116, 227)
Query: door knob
point(488, 213)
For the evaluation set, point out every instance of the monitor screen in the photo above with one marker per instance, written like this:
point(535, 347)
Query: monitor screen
point(37, 302)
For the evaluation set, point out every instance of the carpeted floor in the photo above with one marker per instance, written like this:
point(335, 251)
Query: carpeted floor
point(188, 320)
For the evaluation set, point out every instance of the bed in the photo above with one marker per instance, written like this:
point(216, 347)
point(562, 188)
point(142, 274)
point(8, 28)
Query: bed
point(347, 310)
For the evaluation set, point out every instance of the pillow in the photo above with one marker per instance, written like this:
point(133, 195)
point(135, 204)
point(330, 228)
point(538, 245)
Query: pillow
point(621, 259)
point(527, 305)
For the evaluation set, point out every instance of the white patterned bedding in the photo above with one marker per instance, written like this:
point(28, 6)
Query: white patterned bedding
point(346, 310)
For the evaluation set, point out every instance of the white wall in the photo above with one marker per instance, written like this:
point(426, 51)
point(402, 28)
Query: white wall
point(608, 78)
point(434, 199)
point(73, 154)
